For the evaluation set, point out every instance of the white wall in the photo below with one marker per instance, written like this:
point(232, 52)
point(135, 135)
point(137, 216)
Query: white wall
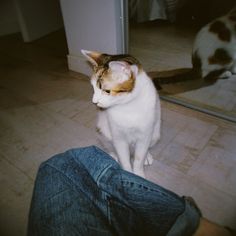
point(38, 18)
point(33, 18)
point(91, 25)
point(8, 18)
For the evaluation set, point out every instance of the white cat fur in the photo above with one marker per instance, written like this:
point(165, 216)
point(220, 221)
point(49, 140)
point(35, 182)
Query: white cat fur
point(131, 121)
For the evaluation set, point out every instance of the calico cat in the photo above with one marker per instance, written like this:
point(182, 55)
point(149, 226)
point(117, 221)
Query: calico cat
point(129, 115)
point(214, 53)
point(214, 50)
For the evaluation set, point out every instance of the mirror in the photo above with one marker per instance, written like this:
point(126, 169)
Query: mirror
point(161, 36)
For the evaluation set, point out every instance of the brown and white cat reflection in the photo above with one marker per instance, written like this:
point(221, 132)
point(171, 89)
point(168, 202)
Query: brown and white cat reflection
point(213, 57)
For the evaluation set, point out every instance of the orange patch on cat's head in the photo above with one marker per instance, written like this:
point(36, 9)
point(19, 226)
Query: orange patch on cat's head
point(113, 73)
point(125, 87)
point(119, 78)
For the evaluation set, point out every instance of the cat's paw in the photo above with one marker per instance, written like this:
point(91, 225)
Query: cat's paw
point(226, 75)
point(149, 159)
point(139, 172)
point(114, 156)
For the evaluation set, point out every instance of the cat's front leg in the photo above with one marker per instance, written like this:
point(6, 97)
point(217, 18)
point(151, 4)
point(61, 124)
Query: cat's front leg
point(140, 154)
point(148, 160)
point(123, 153)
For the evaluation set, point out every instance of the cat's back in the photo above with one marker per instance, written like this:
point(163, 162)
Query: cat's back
point(218, 33)
point(214, 49)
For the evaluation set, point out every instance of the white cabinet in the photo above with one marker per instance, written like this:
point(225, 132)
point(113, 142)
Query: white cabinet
point(93, 25)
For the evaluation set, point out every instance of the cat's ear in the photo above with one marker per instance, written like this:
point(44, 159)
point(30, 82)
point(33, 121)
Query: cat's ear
point(120, 66)
point(134, 69)
point(92, 56)
point(124, 67)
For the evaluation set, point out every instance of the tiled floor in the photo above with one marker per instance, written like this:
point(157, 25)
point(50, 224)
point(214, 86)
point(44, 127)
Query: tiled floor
point(45, 109)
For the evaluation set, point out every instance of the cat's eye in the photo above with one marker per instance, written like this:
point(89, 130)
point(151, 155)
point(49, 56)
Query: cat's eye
point(107, 91)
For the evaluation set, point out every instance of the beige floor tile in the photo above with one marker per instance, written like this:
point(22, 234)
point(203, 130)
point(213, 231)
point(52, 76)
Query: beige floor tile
point(217, 167)
point(179, 156)
point(170, 178)
point(215, 204)
point(225, 138)
point(196, 133)
point(15, 196)
point(35, 133)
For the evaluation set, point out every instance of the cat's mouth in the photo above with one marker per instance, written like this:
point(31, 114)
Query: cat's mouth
point(100, 106)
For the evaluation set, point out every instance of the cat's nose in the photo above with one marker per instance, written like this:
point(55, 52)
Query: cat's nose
point(96, 103)
point(95, 100)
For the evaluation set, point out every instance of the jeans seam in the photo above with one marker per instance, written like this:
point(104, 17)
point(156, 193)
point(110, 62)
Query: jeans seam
point(55, 168)
point(146, 188)
point(102, 173)
point(74, 183)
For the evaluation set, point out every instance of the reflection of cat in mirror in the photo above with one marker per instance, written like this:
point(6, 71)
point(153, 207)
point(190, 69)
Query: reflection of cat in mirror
point(129, 114)
point(214, 52)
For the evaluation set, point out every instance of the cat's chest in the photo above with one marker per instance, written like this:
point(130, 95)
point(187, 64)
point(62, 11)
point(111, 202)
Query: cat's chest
point(130, 122)
point(129, 128)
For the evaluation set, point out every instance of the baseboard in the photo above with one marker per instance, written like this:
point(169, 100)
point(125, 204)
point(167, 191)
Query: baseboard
point(79, 64)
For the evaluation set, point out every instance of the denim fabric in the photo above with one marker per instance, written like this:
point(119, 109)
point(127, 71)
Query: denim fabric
point(85, 192)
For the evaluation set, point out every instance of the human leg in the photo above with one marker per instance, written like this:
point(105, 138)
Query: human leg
point(66, 200)
point(85, 192)
point(207, 228)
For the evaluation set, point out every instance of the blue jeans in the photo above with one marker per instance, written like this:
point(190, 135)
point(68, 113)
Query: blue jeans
point(85, 192)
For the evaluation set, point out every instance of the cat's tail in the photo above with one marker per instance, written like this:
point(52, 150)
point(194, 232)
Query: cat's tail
point(173, 76)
